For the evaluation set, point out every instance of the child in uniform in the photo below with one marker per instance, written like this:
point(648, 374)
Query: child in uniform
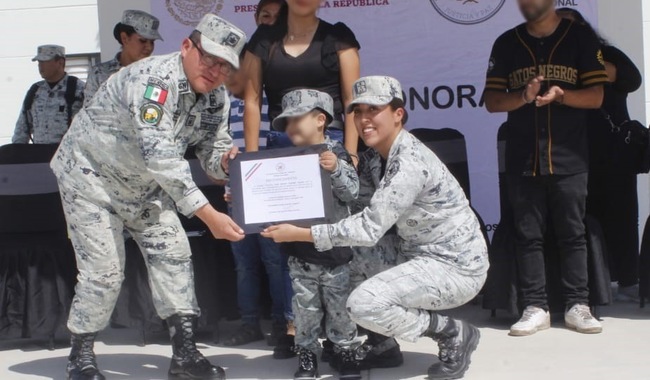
point(321, 280)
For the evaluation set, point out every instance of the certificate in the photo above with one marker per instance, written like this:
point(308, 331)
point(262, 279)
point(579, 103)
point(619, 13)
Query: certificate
point(280, 186)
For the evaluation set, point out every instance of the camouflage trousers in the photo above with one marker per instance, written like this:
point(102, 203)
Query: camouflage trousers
point(96, 231)
point(321, 292)
point(397, 302)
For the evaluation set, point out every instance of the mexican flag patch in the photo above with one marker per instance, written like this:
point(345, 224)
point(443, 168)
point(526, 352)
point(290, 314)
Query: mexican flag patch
point(155, 94)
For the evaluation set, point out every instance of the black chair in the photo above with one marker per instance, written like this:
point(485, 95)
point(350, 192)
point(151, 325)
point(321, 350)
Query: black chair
point(451, 148)
point(37, 264)
point(501, 289)
point(214, 269)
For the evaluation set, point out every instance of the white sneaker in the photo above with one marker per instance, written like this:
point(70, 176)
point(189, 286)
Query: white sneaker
point(533, 320)
point(579, 318)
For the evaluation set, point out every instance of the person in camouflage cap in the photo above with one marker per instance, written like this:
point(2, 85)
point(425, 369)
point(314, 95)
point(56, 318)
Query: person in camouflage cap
point(441, 252)
point(136, 34)
point(121, 166)
point(321, 280)
point(50, 104)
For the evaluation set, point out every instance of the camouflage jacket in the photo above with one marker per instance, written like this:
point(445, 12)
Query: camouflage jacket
point(422, 199)
point(47, 119)
point(99, 74)
point(128, 143)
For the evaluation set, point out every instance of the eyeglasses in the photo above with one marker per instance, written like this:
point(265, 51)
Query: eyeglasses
point(211, 61)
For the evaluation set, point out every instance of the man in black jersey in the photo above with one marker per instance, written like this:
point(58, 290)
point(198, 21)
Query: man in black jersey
point(546, 74)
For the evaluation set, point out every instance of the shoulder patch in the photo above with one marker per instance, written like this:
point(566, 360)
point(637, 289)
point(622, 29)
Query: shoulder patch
point(151, 113)
point(156, 91)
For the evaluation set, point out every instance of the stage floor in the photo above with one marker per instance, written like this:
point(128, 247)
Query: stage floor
point(621, 352)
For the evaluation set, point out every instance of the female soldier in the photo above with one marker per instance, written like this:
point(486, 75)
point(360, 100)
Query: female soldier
point(442, 251)
point(136, 35)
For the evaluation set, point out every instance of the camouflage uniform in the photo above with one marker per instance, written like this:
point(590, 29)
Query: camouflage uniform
point(99, 74)
point(121, 166)
point(145, 25)
point(321, 280)
point(441, 246)
point(47, 119)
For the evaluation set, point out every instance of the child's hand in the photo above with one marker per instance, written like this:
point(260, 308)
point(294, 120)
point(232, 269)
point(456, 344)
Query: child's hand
point(329, 161)
point(227, 197)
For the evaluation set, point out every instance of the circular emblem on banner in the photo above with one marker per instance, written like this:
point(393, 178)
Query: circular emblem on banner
point(467, 12)
point(280, 167)
point(190, 12)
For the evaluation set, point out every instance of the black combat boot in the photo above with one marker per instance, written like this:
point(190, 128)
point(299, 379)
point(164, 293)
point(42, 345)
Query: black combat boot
point(307, 366)
point(187, 362)
point(349, 365)
point(380, 352)
point(81, 362)
point(457, 341)
point(328, 351)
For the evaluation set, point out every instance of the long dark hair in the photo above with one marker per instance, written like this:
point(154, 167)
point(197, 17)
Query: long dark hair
point(281, 26)
point(580, 19)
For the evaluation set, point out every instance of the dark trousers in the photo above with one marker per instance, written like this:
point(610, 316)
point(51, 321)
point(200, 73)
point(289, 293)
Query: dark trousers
point(613, 200)
point(562, 199)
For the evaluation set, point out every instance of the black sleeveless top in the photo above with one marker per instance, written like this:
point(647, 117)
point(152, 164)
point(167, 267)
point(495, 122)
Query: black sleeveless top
point(316, 68)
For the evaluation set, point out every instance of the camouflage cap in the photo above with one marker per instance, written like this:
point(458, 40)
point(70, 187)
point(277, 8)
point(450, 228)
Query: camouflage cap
point(221, 38)
point(48, 52)
point(301, 102)
point(375, 90)
point(143, 23)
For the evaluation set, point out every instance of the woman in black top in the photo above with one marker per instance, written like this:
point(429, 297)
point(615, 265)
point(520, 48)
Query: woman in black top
point(300, 51)
point(613, 197)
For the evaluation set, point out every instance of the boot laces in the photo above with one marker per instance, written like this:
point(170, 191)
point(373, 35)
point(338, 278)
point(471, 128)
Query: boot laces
point(449, 348)
point(306, 359)
point(85, 357)
point(189, 345)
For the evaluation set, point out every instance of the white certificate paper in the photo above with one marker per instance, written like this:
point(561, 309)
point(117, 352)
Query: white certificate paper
point(281, 189)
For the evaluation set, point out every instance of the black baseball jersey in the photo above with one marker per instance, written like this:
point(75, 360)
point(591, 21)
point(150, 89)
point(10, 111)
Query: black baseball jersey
point(550, 139)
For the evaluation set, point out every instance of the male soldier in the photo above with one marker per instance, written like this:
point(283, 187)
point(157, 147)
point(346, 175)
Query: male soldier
point(136, 35)
point(121, 167)
point(545, 74)
point(50, 104)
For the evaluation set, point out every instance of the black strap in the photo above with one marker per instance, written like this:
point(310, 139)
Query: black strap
point(27, 106)
point(70, 91)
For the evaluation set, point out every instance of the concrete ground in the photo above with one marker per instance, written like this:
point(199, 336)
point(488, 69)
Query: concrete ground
point(621, 352)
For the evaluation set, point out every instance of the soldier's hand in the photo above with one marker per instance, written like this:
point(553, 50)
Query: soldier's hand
point(220, 224)
point(227, 157)
point(329, 161)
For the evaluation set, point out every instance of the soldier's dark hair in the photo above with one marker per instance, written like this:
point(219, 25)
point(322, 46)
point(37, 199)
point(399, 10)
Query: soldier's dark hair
point(122, 28)
point(264, 3)
point(396, 104)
